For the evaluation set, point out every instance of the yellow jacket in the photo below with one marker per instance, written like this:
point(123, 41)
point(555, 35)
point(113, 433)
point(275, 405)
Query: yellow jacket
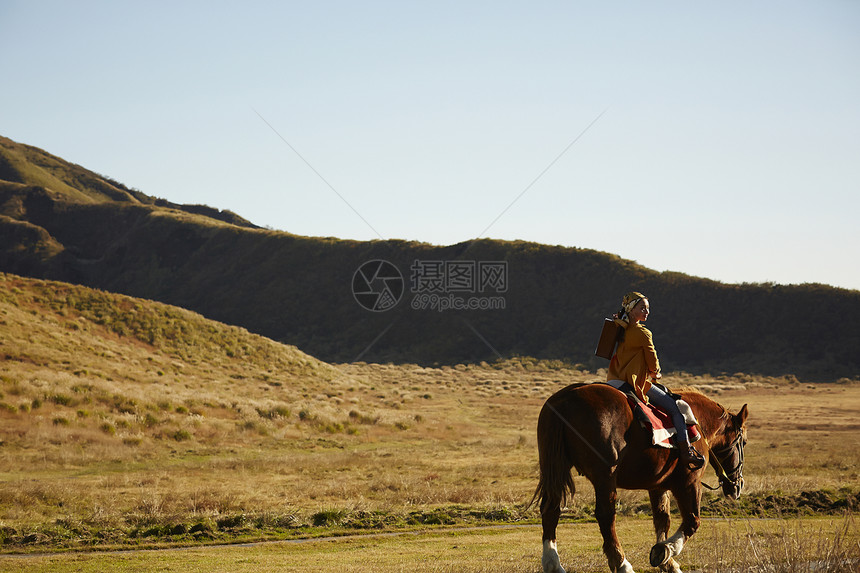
point(635, 359)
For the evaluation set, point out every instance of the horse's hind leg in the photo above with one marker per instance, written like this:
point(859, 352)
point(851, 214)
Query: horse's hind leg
point(555, 475)
point(605, 499)
point(555, 481)
point(550, 511)
point(660, 506)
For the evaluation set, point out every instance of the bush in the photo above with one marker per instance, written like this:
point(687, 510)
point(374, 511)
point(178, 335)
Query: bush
point(362, 418)
point(231, 521)
point(328, 517)
point(60, 399)
point(274, 412)
point(181, 435)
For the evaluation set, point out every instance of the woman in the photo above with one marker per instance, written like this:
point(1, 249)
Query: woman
point(635, 362)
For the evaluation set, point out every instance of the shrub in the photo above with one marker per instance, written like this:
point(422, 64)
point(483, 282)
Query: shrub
point(60, 399)
point(231, 521)
point(123, 405)
point(255, 426)
point(328, 517)
point(334, 428)
point(362, 418)
point(274, 412)
point(201, 529)
point(181, 435)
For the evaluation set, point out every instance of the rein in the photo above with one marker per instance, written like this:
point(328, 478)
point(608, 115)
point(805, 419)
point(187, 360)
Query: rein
point(735, 473)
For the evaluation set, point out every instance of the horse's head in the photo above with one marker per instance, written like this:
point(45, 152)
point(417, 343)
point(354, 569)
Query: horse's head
point(728, 457)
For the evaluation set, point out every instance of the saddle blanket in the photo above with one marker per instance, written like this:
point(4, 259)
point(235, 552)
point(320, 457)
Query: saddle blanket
point(657, 421)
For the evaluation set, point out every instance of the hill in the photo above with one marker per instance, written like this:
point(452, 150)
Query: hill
point(59, 221)
point(110, 364)
point(31, 167)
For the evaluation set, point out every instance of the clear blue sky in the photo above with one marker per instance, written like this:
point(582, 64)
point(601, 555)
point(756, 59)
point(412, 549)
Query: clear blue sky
point(728, 145)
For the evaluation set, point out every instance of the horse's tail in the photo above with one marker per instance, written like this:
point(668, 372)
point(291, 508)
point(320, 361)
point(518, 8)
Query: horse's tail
point(556, 481)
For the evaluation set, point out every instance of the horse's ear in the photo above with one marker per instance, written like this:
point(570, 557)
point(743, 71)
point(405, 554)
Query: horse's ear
point(741, 417)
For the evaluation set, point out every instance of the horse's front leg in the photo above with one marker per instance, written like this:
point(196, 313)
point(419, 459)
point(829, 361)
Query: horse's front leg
point(660, 507)
point(662, 553)
point(604, 509)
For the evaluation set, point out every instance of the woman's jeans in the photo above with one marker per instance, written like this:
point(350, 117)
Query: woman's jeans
point(665, 402)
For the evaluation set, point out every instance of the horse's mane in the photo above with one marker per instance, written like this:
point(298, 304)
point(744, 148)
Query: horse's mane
point(687, 390)
point(691, 392)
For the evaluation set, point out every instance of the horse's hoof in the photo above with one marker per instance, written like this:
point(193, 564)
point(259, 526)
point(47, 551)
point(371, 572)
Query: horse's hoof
point(660, 555)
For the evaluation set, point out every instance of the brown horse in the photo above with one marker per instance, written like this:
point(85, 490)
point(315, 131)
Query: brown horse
point(590, 427)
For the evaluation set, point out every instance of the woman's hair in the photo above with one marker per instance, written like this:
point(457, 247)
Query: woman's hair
point(619, 334)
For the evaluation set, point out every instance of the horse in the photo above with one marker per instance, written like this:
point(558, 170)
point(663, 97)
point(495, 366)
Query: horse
point(590, 427)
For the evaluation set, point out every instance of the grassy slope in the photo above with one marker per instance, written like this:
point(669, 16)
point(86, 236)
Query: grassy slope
point(93, 358)
point(70, 183)
point(30, 165)
point(129, 421)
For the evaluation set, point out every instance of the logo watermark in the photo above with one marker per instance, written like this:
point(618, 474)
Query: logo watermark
point(377, 285)
point(451, 301)
point(435, 285)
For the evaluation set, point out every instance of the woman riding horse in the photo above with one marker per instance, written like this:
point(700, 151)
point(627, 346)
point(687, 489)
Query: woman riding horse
point(591, 428)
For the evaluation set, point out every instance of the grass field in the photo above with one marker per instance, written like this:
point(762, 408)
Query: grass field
point(130, 424)
point(810, 544)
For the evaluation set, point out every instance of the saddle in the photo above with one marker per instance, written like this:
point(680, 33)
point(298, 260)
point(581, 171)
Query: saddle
point(657, 421)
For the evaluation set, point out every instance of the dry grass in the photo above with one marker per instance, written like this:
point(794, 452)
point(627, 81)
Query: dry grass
point(127, 421)
point(823, 546)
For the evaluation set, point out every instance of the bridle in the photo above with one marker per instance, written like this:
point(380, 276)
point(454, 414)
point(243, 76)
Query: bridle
point(733, 475)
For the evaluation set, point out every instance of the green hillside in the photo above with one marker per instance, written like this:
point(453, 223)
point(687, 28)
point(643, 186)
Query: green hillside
point(109, 363)
point(299, 290)
point(66, 182)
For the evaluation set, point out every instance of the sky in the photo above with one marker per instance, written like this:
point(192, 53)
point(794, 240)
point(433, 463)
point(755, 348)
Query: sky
point(720, 140)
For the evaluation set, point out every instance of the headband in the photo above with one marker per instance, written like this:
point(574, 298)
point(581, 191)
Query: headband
point(631, 299)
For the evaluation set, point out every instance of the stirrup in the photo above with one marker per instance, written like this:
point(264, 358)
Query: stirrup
point(691, 456)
